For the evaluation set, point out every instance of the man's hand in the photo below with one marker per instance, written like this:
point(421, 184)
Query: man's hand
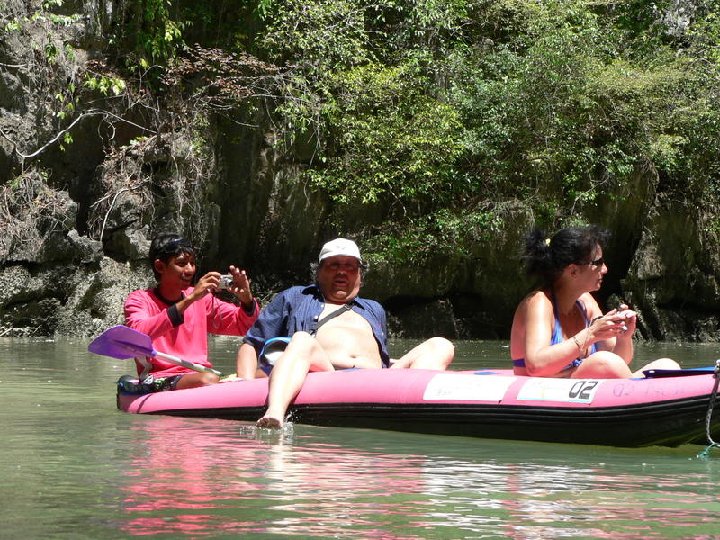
point(240, 287)
point(206, 284)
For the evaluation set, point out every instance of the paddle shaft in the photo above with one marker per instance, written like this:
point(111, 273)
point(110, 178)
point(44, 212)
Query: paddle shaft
point(184, 363)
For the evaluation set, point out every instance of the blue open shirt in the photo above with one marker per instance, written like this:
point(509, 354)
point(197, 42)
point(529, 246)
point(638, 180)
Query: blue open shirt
point(299, 308)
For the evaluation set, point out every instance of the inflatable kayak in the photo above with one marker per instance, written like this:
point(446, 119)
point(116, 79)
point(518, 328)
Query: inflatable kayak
point(667, 408)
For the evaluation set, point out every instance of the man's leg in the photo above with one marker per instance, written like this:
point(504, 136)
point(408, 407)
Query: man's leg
point(303, 354)
point(435, 353)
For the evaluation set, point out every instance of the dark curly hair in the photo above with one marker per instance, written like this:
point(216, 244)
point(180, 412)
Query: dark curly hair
point(545, 258)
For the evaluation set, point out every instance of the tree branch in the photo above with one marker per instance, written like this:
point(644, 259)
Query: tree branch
point(62, 132)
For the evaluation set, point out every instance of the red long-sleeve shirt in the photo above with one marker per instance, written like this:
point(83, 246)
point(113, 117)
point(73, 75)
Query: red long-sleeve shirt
point(146, 312)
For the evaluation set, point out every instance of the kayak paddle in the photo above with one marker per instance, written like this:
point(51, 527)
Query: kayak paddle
point(123, 342)
point(657, 373)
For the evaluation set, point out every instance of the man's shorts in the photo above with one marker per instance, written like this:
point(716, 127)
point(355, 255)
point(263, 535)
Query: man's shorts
point(271, 351)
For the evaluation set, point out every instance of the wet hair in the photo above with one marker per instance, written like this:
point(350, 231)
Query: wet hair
point(545, 258)
point(167, 245)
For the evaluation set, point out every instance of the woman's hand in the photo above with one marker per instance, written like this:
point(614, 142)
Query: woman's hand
point(617, 323)
point(605, 327)
point(626, 319)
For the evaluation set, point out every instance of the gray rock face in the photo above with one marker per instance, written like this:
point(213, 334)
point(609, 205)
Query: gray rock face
point(673, 278)
point(77, 217)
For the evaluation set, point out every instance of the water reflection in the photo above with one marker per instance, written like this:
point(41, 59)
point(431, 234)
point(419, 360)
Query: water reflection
point(198, 477)
point(248, 480)
point(75, 467)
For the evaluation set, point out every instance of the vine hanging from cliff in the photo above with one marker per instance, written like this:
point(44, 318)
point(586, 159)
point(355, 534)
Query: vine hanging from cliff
point(169, 172)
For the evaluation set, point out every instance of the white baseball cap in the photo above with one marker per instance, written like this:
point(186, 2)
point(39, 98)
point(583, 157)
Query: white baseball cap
point(340, 247)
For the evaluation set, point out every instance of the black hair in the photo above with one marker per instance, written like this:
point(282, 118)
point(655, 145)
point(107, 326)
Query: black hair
point(167, 245)
point(545, 258)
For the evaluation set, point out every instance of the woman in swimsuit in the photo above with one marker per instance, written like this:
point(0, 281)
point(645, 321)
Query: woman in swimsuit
point(559, 330)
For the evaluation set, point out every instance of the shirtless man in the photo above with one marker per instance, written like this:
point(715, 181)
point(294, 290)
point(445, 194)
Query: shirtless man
point(330, 327)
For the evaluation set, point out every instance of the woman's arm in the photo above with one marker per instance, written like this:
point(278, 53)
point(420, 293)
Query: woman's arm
point(626, 322)
point(541, 358)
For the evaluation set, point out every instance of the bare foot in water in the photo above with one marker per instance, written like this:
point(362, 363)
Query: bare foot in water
point(269, 422)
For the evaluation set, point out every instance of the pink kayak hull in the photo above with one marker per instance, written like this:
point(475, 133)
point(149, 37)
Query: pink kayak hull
point(488, 403)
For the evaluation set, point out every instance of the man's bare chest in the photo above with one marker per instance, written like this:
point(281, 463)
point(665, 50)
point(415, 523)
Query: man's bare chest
point(346, 318)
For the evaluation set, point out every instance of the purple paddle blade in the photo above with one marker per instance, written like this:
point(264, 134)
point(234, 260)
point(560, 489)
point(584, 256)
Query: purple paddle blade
point(122, 342)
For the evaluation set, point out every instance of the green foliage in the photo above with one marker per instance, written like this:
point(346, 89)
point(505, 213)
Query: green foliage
point(51, 73)
point(423, 107)
point(67, 140)
point(66, 101)
point(419, 118)
point(263, 8)
point(568, 107)
point(445, 233)
point(390, 141)
point(385, 136)
point(317, 36)
point(104, 84)
point(51, 53)
point(159, 36)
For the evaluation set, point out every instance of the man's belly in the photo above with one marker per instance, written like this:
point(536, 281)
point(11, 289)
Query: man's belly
point(345, 343)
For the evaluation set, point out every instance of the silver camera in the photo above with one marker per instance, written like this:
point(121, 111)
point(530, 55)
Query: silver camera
point(225, 282)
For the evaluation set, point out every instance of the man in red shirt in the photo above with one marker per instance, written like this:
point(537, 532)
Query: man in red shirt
point(178, 315)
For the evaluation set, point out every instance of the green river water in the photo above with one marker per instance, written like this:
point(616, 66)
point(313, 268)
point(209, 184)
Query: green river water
point(73, 466)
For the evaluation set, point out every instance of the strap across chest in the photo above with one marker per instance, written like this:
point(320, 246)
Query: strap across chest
point(329, 316)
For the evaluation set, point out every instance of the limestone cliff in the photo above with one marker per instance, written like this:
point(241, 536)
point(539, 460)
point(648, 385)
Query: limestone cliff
point(91, 169)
